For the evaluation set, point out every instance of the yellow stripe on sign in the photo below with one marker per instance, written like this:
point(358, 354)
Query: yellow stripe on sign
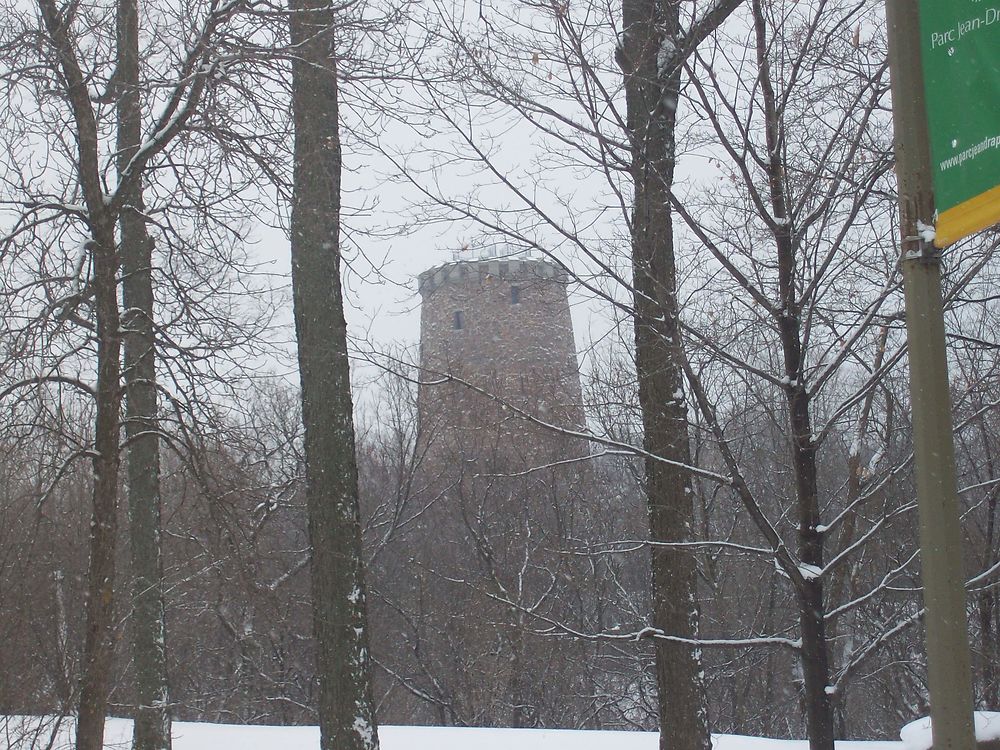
point(960, 221)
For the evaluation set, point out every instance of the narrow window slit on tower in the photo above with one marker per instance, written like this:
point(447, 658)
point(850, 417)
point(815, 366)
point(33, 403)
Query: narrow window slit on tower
point(515, 295)
point(459, 322)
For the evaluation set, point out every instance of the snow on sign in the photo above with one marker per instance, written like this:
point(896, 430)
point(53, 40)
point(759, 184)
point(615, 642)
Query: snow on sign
point(960, 47)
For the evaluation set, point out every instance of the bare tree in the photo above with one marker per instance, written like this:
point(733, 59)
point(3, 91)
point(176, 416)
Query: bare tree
point(653, 48)
point(346, 710)
point(152, 714)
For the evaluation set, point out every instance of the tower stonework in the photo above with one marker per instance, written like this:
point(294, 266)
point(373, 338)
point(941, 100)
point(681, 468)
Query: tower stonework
point(503, 326)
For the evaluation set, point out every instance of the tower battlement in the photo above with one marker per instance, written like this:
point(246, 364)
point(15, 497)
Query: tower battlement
point(509, 268)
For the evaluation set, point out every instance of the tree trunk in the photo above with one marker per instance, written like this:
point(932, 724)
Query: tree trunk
point(99, 641)
point(651, 34)
point(812, 624)
point(152, 717)
point(346, 711)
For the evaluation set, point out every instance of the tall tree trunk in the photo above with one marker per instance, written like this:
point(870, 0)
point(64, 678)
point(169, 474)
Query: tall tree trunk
point(812, 622)
point(346, 710)
point(152, 717)
point(99, 640)
point(651, 37)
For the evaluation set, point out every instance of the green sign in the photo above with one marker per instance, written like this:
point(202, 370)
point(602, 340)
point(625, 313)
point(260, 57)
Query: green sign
point(960, 47)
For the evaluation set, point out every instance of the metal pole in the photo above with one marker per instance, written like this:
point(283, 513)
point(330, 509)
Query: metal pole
point(949, 672)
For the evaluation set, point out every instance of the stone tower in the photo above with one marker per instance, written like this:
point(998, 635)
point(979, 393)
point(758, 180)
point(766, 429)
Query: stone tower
point(503, 326)
point(493, 504)
point(486, 537)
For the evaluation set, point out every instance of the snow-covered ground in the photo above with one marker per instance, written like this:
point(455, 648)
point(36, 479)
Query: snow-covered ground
point(34, 733)
point(917, 734)
point(18, 733)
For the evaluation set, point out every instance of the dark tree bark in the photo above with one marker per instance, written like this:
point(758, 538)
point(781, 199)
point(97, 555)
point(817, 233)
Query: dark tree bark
point(812, 621)
point(652, 37)
point(346, 711)
point(152, 717)
point(98, 650)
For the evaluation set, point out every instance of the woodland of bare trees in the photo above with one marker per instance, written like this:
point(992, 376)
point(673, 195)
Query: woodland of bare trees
point(217, 501)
